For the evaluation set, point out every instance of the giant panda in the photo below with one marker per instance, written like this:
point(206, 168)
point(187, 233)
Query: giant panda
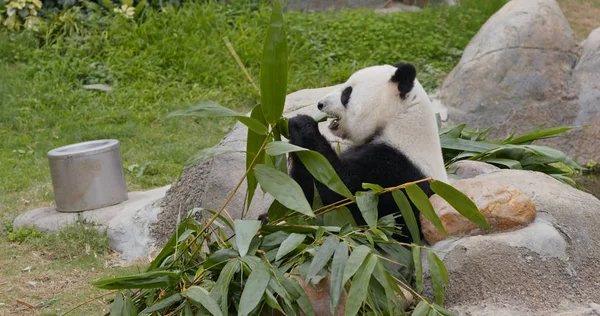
point(385, 113)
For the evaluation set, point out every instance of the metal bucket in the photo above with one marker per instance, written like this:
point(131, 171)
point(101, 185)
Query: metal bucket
point(87, 176)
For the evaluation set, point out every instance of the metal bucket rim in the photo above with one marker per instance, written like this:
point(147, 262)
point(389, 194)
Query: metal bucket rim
point(84, 149)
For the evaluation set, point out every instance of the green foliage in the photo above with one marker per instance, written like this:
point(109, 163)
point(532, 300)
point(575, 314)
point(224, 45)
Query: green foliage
point(71, 242)
point(23, 234)
point(21, 13)
point(512, 152)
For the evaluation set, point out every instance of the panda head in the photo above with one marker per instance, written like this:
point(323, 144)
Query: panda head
point(370, 99)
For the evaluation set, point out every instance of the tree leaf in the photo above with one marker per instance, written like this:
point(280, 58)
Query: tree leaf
point(416, 254)
point(408, 215)
point(367, 204)
point(340, 257)
point(283, 188)
point(146, 280)
point(421, 201)
point(360, 285)
point(254, 289)
point(245, 230)
point(322, 257)
point(460, 202)
point(274, 66)
point(436, 277)
point(276, 211)
point(289, 244)
point(201, 298)
point(355, 260)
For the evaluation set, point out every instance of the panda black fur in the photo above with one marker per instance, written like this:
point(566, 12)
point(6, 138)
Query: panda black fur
point(387, 116)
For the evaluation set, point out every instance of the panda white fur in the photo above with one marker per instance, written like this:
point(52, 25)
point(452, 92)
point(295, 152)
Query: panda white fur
point(387, 116)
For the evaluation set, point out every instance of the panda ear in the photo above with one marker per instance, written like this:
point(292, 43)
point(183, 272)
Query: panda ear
point(405, 78)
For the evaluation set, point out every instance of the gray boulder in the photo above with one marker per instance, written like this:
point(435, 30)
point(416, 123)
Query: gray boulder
point(208, 184)
point(548, 267)
point(521, 70)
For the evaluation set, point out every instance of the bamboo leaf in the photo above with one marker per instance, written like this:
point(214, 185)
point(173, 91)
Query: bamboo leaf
point(340, 257)
point(421, 201)
point(219, 258)
point(279, 148)
point(253, 143)
point(360, 285)
point(254, 289)
point(541, 134)
point(465, 145)
point(436, 277)
point(372, 187)
point(460, 202)
point(355, 260)
point(509, 163)
point(245, 230)
point(274, 65)
point(318, 166)
point(416, 254)
point(163, 303)
point(283, 188)
point(289, 244)
point(207, 108)
point(272, 301)
point(200, 297)
point(322, 257)
point(442, 311)
point(276, 211)
point(220, 291)
point(123, 306)
point(422, 309)
point(146, 280)
point(367, 204)
point(408, 215)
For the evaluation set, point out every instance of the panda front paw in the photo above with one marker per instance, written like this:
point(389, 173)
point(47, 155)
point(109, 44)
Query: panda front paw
point(303, 130)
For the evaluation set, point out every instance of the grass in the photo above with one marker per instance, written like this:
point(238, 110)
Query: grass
point(169, 59)
point(177, 57)
point(583, 16)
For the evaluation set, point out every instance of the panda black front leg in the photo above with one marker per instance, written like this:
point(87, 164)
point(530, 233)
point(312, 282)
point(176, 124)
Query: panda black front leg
point(304, 132)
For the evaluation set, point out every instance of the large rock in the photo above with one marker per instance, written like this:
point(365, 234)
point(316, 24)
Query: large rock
point(586, 142)
point(209, 183)
point(127, 224)
point(521, 70)
point(548, 267)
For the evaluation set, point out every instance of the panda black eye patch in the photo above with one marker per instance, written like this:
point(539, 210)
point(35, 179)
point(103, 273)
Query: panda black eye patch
point(346, 96)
